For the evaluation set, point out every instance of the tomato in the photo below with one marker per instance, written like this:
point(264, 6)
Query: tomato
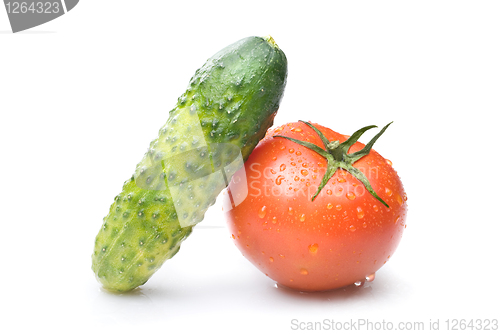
point(340, 237)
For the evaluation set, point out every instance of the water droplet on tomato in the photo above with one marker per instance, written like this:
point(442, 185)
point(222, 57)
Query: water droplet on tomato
point(292, 163)
point(389, 162)
point(296, 178)
point(399, 199)
point(359, 283)
point(290, 211)
point(274, 158)
point(298, 153)
point(370, 277)
point(291, 150)
point(273, 171)
point(297, 130)
point(388, 192)
point(365, 225)
point(304, 164)
point(282, 167)
point(275, 220)
point(338, 207)
point(341, 179)
point(375, 208)
point(360, 212)
point(396, 221)
point(350, 195)
point(282, 147)
point(262, 212)
point(313, 249)
point(271, 259)
point(329, 206)
point(352, 228)
point(279, 179)
point(328, 192)
point(304, 172)
point(304, 272)
point(302, 217)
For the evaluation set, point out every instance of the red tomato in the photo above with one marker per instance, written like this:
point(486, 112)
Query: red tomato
point(342, 237)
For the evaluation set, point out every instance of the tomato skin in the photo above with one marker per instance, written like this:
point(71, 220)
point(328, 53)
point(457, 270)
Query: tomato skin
point(341, 237)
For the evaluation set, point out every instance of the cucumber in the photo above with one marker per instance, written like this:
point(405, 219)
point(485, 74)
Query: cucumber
point(226, 110)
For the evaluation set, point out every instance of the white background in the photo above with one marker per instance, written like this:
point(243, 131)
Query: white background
point(82, 96)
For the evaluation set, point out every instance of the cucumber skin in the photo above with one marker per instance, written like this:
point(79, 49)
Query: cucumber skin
point(231, 99)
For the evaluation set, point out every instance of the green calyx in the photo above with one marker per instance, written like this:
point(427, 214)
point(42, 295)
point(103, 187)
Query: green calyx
point(336, 155)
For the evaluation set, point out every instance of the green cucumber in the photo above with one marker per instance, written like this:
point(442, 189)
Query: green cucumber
point(226, 110)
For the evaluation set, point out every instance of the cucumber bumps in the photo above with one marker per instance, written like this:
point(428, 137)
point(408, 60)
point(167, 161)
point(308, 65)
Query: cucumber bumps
point(226, 110)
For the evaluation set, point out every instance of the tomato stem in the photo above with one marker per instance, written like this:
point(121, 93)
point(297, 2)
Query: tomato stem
point(337, 157)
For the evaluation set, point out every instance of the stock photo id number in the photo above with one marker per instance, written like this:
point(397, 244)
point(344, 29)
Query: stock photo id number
point(24, 15)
